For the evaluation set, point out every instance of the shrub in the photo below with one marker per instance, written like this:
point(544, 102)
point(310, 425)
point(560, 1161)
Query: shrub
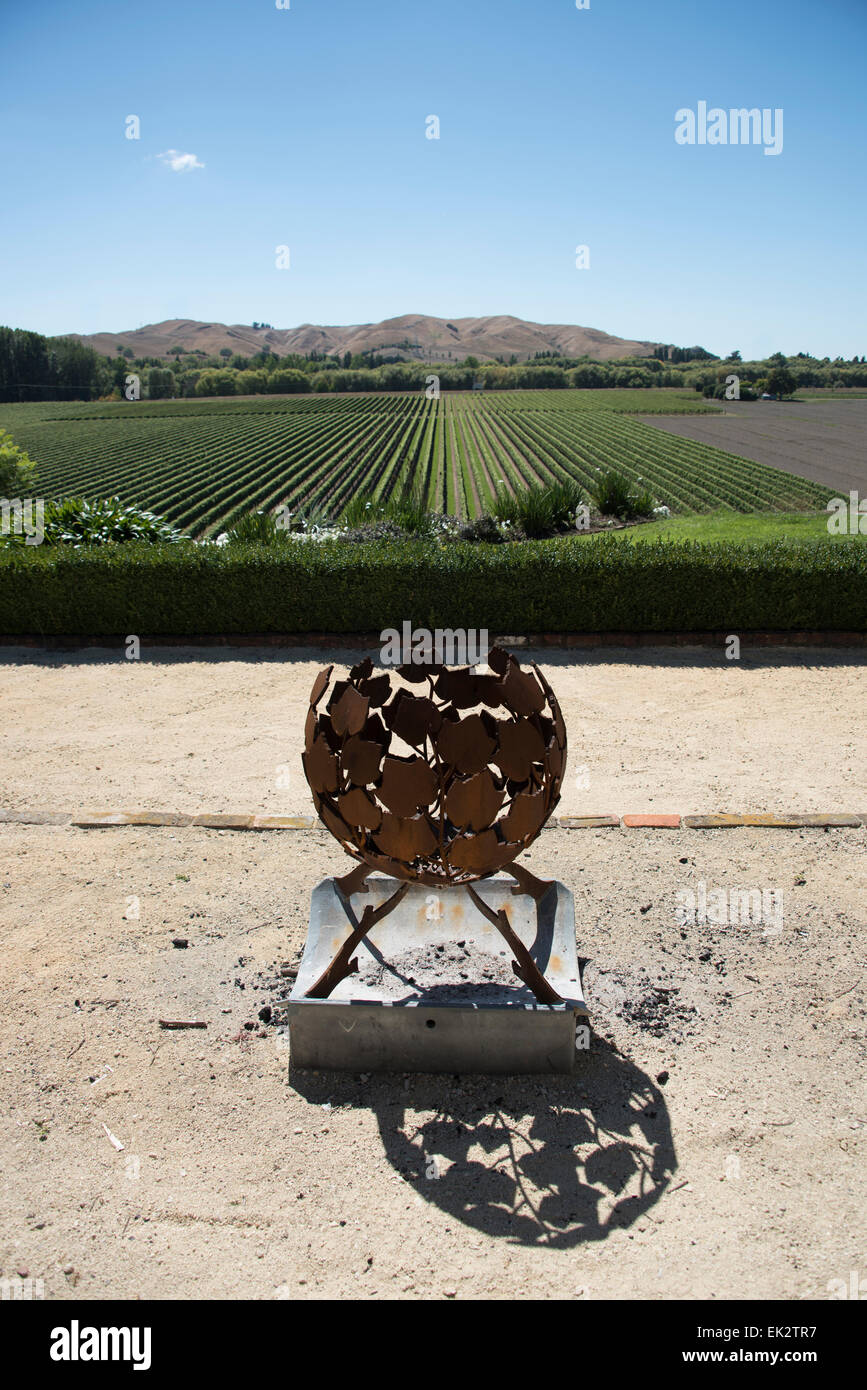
point(359, 511)
point(17, 469)
point(258, 527)
point(75, 521)
point(614, 495)
point(567, 585)
point(266, 528)
point(214, 382)
point(407, 512)
point(483, 528)
point(286, 380)
point(539, 510)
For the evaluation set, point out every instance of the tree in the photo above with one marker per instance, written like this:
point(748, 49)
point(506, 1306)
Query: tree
point(780, 382)
point(286, 379)
point(225, 352)
point(17, 470)
point(161, 383)
point(251, 383)
point(216, 383)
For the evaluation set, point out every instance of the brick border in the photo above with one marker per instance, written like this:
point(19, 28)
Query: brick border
point(721, 820)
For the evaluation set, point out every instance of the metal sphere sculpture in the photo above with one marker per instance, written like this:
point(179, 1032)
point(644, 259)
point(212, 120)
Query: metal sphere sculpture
point(441, 785)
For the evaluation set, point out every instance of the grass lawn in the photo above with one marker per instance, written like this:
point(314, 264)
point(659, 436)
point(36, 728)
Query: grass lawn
point(736, 526)
point(851, 394)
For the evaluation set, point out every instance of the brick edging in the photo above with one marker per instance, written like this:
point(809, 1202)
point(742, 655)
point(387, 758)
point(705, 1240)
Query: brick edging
point(720, 820)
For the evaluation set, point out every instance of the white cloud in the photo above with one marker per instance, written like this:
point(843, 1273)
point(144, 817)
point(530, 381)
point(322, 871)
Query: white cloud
point(180, 163)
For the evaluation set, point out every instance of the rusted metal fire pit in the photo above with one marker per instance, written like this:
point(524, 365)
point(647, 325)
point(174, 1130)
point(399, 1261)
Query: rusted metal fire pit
point(434, 778)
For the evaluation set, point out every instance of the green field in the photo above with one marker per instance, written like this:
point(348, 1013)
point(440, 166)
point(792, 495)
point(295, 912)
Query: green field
point(204, 463)
point(738, 527)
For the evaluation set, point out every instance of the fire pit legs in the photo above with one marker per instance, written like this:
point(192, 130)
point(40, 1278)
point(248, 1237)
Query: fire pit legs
point(523, 965)
point(528, 883)
point(355, 881)
point(342, 964)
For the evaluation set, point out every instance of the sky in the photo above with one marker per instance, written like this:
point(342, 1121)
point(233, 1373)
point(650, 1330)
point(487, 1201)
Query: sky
point(307, 127)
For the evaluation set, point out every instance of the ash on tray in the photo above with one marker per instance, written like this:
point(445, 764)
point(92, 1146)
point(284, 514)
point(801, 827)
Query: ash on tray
point(446, 971)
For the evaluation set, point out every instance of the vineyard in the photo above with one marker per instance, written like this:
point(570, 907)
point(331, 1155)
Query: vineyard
point(202, 464)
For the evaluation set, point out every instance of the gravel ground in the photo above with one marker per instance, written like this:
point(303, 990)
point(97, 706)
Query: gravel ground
point(661, 729)
point(711, 1142)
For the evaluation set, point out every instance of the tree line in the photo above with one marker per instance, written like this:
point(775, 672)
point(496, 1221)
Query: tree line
point(36, 368)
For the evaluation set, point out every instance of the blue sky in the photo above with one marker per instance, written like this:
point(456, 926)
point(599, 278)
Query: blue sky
point(556, 129)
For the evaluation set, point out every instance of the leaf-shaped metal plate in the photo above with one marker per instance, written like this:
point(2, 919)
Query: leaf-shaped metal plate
point(320, 766)
point(522, 693)
point(357, 808)
point(349, 713)
point(405, 839)
point(310, 727)
point(465, 744)
point(520, 745)
point(320, 685)
point(499, 659)
point(333, 822)
point(408, 785)
point(473, 802)
point(417, 672)
point(555, 760)
point(459, 687)
point(361, 760)
point(413, 718)
point(526, 816)
point(377, 690)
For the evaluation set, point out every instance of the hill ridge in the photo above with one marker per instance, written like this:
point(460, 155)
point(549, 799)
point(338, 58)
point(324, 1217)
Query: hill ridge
point(412, 337)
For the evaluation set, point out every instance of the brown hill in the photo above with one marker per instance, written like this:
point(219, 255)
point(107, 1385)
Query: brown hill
point(416, 337)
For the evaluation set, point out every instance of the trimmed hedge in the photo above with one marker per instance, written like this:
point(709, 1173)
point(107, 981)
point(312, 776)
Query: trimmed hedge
point(568, 585)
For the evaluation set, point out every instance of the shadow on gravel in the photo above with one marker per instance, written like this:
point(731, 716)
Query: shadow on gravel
point(540, 1161)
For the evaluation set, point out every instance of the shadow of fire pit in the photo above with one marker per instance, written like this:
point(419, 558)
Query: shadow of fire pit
point(545, 1161)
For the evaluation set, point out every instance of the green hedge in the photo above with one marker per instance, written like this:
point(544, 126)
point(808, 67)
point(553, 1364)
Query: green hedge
point(539, 586)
